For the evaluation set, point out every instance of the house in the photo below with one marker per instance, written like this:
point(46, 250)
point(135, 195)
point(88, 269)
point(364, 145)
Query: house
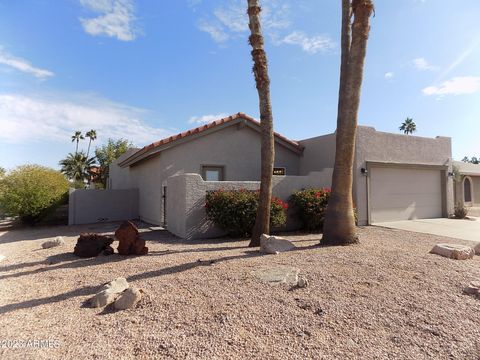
point(396, 177)
point(467, 186)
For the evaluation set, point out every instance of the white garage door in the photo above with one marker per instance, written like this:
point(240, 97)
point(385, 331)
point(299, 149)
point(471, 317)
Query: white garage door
point(404, 194)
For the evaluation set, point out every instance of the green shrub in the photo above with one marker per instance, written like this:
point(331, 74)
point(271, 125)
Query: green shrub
point(234, 211)
point(30, 191)
point(460, 212)
point(311, 205)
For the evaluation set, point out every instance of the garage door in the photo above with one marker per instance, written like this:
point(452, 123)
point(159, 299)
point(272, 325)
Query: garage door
point(404, 194)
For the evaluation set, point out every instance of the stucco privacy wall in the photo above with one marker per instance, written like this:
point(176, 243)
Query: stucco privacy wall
point(92, 206)
point(186, 216)
point(236, 148)
point(119, 178)
point(398, 150)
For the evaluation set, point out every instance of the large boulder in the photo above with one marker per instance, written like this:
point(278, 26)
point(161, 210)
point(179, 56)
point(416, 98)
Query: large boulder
point(274, 244)
point(109, 292)
point(473, 289)
point(91, 244)
point(128, 299)
point(58, 241)
point(453, 251)
point(129, 240)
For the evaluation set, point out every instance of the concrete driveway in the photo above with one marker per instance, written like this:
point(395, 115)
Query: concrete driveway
point(466, 229)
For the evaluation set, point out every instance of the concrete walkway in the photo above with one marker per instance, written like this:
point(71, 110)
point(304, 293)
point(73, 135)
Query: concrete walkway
point(466, 229)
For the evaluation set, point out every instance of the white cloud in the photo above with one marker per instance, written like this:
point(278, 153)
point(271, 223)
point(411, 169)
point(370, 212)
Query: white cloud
point(115, 18)
point(27, 118)
point(389, 75)
point(206, 118)
point(23, 65)
point(308, 44)
point(455, 86)
point(214, 30)
point(423, 64)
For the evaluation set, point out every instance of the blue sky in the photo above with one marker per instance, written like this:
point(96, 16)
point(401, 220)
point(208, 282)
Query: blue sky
point(143, 69)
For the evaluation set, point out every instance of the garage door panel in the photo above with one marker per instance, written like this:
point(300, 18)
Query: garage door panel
point(404, 194)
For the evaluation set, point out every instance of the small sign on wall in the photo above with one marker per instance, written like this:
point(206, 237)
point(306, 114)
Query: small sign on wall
point(279, 171)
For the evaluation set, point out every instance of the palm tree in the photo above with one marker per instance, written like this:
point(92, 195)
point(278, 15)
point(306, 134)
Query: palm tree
point(339, 227)
point(77, 137)
point(408, 126)
point(262, 80)
point(92, 136)
point(77, 166)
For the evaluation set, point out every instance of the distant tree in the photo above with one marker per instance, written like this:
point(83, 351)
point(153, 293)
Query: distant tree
point(92, 136)
point(472, 160)
point(108, 153)
point(77, 137)
point(2, 172)
point(77, 166)
point(408, 126)
point(262, 81)
point(31, 191)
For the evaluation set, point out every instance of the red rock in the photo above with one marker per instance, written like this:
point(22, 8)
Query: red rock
point(129, 240)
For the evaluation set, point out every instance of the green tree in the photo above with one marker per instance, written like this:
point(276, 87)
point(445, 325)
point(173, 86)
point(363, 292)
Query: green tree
point(339, 227)
point(30, 191)
point(2, 172)
point(77, 166)
point(92, 136)
point(77, 137)
point(262, 81)
point(408, 126)
point(108, 153)
point(472, 160)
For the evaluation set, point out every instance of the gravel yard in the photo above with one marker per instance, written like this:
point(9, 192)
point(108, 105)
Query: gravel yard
point(387, 298)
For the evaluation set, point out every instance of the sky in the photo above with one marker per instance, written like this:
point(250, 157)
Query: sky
point(143, 70)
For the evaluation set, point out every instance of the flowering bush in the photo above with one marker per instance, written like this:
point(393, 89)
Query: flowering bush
point(235, 210)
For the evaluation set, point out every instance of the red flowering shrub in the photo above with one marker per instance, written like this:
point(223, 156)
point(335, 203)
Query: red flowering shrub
point(234, 211)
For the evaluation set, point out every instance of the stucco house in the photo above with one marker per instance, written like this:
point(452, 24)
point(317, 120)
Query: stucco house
point(396, 177)
point(467, 186)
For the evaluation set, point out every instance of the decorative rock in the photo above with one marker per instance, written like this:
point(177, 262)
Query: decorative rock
point(2, 257)
point(109, 292)
point(274, 244)
point(128, 299)
point(58, 241)
point(477, 249)
point(129, 240)
point(91, 244)
point(453, 251)
point(302, 282)
point(277, 274)
point(473, 289)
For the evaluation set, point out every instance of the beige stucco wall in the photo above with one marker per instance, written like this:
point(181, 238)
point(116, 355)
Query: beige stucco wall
point(376, 146)
point(319, 154)
point(235, 148)
point(120, 177)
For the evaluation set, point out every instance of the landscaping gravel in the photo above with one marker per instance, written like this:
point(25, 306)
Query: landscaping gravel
point(386, 298)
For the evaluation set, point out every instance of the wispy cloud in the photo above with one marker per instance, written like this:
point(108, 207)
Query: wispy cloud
point(455, 86)
point(460, 58)
point(31, 118)
point(206, 118)
point(389, 75)
point(23, 65)
point(215, 30)
point(423, 65)
point(311, 45)
point(115, 18)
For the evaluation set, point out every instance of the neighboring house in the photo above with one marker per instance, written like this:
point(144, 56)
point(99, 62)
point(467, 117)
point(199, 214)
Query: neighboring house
point(467, 186)
point(396, 177)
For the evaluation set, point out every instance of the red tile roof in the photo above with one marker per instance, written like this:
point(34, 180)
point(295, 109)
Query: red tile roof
point(202, 128)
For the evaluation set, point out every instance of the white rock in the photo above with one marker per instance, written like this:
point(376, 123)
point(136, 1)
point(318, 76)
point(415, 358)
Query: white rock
point(477, 249)
point(473, 288)
point(109, 292)
point(58, 241)
point(274, 244)
point(453, 251)
point(128, 299)
point(2, 257)
point(302, 282)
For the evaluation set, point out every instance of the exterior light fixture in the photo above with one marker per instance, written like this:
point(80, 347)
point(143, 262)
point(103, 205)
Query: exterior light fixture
point(364, 171)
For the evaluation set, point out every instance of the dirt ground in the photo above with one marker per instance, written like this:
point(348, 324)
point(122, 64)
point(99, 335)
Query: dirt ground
point(387, 298)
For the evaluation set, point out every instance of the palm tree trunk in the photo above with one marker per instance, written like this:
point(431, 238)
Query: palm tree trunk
point(76, 148)
point(89, 143)
point(260, 70)
point(339, 227)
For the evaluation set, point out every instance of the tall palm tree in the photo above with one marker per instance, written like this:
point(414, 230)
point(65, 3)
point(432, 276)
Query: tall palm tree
point(92, 136)
point(77, 137)
point(262, 80)
point(408, 126)
point(77, 166)
point(339, 227)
